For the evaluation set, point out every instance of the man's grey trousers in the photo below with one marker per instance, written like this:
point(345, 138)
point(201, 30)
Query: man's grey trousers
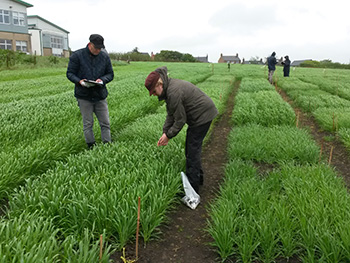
point(100, 108)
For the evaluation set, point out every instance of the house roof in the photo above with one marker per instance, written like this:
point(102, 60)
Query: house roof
point(46, 21)
point(230, 58)
point(202, 59)
point(298, 62)
point(256, 62)
point(23, 3)
point(144, 53)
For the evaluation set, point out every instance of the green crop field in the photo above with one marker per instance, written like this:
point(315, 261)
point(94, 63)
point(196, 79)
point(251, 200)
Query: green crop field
point(58, 197)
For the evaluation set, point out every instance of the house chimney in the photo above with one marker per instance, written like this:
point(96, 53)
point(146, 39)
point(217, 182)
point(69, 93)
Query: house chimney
point(236, 54)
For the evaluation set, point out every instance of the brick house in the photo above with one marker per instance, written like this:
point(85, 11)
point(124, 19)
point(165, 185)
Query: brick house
point(229, 59)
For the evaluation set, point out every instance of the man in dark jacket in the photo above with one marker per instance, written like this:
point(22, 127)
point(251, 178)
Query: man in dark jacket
point(185, 103)
point(90, 69)
point(286, 66)
point(271, 63)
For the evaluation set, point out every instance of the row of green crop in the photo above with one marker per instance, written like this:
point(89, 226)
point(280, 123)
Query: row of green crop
point(344, 134)
point(41, 129)
point(38, 132)
point(336, 82)
point(331, 111)
point(262, 136)
point(96, 192)
point(38, 236)
point(33, 89)
point(295, 211)
point(259, 102)
point(27, 74)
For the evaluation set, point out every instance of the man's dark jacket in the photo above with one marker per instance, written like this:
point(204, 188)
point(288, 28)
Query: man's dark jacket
point(185, 103)
point(271, 62)
point(84, 65)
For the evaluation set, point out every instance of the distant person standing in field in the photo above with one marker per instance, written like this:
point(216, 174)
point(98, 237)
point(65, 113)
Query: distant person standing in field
point(185, 103)
point(286, 66)
point(271, 63)
point(228, 65)
point(92, 64)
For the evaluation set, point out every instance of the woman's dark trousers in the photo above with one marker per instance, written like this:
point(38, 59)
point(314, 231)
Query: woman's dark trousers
point(194, 141)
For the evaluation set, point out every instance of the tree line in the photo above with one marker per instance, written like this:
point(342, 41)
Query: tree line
point(164, 55)
point(327, 63)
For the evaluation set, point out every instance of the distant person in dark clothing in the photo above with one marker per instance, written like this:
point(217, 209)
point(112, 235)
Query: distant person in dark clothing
point(271, 63)
point(286, 66)
point(86, 64)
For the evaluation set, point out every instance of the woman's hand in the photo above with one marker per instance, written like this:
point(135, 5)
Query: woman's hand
point(163, 140)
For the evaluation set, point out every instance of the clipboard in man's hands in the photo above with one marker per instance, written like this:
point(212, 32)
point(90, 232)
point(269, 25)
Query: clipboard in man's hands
point(94, 83)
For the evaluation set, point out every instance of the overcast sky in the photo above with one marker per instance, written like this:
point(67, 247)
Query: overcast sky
point(302, 29)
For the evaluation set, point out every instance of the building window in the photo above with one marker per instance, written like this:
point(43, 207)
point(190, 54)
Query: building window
point(4, 17)
point(5, 44)
point(18, 18)
point(57, 42)
point(21, 46)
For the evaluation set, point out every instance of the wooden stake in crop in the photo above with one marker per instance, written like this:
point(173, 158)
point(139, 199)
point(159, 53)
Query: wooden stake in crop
point(222, 90)
point(297, 120)
point(336, 123)
point(101, 245)
point(333, 122)
point(337, 84)
point(137, 228)
point(319, 160)
point(330, 156)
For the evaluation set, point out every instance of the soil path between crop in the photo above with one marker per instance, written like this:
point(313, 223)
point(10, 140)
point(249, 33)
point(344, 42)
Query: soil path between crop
point(185, 239)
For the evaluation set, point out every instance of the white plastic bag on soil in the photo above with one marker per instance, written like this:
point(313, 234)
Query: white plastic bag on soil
point(191, 198)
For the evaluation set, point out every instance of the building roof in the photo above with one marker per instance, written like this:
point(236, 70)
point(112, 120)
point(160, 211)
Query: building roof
point(23, 3)
point(46, 21)
point(298, 62)
point(202, 59)
point(253, 62)
point(144, 53)
point(231, 58)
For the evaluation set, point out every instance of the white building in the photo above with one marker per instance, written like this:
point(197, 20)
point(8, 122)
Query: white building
point(47, 39)
point(14, 33)
point(30, 34)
